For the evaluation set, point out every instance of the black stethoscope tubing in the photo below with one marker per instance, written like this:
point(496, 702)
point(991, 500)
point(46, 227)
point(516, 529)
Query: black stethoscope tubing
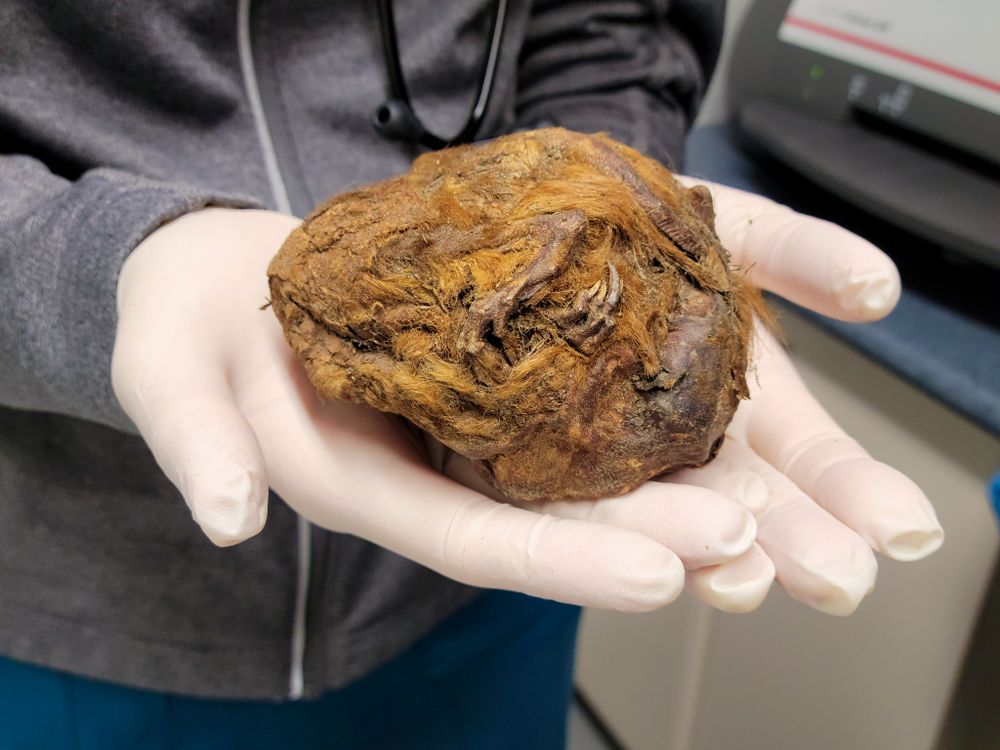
point(396, 119)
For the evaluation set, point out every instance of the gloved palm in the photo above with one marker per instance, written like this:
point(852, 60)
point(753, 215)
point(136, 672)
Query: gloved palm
point(821, 503)
point(208, 379)
point(828, 503)
point(213, 388)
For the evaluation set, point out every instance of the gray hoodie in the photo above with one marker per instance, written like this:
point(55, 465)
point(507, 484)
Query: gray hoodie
point(116, 117)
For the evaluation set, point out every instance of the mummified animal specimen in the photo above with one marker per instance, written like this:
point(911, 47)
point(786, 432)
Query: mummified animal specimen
point(552, 305)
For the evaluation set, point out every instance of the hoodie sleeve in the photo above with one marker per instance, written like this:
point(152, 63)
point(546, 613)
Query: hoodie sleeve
point(62, 244)
point(635, 70)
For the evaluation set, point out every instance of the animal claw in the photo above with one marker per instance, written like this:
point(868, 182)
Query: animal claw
point(594, 307)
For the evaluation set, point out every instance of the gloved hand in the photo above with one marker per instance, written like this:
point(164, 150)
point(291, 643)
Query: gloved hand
point(207, 377)
point(821, 503)
point(208, 380)
point(828, 503)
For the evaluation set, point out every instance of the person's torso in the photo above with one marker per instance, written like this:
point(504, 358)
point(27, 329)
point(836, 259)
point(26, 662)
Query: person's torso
point(102, 570)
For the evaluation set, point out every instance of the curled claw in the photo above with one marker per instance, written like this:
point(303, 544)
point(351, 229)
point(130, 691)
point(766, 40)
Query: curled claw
point(594, 308)
point(614, 286)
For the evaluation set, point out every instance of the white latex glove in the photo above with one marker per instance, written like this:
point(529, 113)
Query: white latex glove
point(822, 504)
point(828, 503)
point(208, 379)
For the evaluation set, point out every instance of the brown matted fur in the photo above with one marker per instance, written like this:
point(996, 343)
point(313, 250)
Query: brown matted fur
point(553, 305)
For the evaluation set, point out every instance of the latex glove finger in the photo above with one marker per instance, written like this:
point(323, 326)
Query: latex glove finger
point(728, 475)
point(738, 586)
point(742, 584)
point(788, 428)
point(817, 559)
point(199, 439)
point(172, 368)
point(700, 526)
point(809, 261)
point(405, 506)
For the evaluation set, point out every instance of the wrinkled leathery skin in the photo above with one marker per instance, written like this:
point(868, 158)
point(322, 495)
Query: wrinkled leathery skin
point(552, 305)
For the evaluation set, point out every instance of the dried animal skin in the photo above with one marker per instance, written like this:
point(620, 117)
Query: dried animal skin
point(552, 305)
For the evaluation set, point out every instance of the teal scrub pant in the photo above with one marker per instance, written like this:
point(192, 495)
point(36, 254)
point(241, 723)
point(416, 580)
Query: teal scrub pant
point(497, 674)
